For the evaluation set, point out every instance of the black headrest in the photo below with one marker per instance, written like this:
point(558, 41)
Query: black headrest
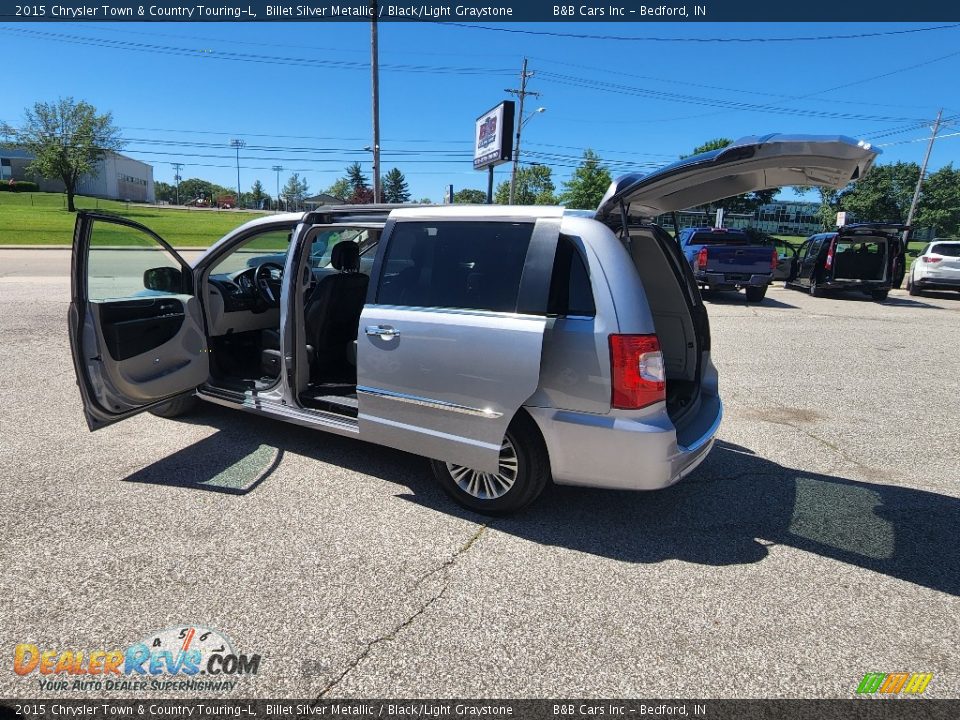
point(346, 256)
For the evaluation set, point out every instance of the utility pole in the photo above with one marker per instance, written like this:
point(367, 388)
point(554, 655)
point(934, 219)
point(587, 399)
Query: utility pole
point(521, 93)
point(177, 167)
point(238, 144)
point(923, 171)
point(277, 169)
point(375, 86)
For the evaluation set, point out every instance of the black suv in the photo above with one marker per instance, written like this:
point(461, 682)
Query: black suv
point(867, 257)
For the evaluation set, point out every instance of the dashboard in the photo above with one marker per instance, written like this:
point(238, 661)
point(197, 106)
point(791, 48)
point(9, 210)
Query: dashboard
point(238, 291)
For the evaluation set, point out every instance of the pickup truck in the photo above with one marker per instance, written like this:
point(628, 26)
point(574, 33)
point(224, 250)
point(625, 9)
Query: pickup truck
point(728, 259)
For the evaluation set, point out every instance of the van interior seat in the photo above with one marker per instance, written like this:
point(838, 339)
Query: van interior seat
point(332, 318)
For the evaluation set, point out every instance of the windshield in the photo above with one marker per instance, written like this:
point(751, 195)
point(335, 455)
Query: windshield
point(321, 249)
point(270, 246)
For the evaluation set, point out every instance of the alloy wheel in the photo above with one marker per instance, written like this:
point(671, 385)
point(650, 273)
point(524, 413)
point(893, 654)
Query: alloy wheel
point(488, 486)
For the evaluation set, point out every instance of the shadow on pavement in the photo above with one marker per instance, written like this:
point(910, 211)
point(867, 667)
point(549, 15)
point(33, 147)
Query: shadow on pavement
point(728, 512)
point(716, 297)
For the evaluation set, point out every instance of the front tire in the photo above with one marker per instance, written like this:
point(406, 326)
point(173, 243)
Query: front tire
point(912, 287)
point(523, 473)
point(183, 405)
point(756, 294)
point(879, 295)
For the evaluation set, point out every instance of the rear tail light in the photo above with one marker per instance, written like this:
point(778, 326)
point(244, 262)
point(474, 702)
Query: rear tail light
point(702, 259)
point(774, 260)
point(636, 371)
point(928, 259)
point(829, 263)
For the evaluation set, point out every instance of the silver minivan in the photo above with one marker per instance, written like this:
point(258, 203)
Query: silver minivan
point(510, 345)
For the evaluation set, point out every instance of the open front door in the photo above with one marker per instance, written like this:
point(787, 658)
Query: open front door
point(451, 335)
point(136, 327)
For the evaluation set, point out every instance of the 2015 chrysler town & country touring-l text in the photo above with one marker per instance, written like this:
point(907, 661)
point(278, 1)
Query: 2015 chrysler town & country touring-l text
point(510, 345)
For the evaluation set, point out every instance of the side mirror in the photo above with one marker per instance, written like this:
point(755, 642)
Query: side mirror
point(163, 279)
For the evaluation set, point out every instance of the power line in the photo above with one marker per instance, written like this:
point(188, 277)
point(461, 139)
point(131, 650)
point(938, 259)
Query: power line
point(620, 89)
point(250, 57)
point(694, 39)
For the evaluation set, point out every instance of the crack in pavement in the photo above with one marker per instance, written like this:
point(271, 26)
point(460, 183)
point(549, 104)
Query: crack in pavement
point(397, 629)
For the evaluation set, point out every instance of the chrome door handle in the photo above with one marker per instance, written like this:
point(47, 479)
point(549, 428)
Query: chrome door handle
point(384, 332)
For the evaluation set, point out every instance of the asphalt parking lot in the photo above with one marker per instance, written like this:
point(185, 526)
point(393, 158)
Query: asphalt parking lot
point(818, 541)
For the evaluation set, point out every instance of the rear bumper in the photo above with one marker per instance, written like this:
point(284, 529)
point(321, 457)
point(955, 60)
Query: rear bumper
point(861, 285)
point(625, 453)
point(938, 283)
point(717, 279)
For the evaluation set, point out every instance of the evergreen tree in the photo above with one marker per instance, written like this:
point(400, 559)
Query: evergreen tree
point(395, 188)
point(356, 178)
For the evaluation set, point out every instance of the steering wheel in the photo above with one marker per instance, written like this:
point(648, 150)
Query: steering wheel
point(268, 279)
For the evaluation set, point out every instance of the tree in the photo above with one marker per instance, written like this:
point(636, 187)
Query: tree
point(476, 197)
point(257, 195)
point(67, 138)
point(534, 186)
point(939, 205)
point(341, 189)
point(356, 178)
point(589, 183)
point(827, 211)
point(361, 196)
point(165, 191)
point(882, 195)
point(195, 188)
point(425, 201)
point(395, 189)
point(295, 190)
point(746, 203)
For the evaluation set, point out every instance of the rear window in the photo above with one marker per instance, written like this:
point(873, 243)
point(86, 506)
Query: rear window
point(947, 249)
point(718, 238)
point(457, 264)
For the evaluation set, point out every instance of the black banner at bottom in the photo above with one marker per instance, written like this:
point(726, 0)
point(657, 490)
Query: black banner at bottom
point(855, 709)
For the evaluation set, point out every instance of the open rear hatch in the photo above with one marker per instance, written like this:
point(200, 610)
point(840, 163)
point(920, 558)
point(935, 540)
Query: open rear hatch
point(863, 253)
point(750, 164)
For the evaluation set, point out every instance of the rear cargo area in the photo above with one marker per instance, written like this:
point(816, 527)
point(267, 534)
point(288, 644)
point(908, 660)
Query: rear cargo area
point(672, 319)
point(860, 259)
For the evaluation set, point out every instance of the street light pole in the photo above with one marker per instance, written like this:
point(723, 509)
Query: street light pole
point(521, 93)
point(176, 178)
point(375, 87)
point(923, 170)
point(238, 144)
point(277, 169)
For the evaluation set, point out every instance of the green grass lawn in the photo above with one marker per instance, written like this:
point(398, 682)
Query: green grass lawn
point(42, 219)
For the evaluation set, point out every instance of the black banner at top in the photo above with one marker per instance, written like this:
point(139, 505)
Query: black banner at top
point(483, 11)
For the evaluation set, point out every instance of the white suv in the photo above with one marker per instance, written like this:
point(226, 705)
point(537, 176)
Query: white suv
point(936, 268)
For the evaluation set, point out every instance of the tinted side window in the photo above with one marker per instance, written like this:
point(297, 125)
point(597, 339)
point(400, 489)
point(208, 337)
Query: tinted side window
point(570, 290)
point(455, 264)
point(813, 247)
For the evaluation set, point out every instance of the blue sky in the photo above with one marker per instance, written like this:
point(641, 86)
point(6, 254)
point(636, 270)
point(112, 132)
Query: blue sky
point(299, 93)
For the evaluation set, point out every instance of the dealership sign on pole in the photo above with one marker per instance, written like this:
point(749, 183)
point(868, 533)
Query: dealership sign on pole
point(493, 140)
